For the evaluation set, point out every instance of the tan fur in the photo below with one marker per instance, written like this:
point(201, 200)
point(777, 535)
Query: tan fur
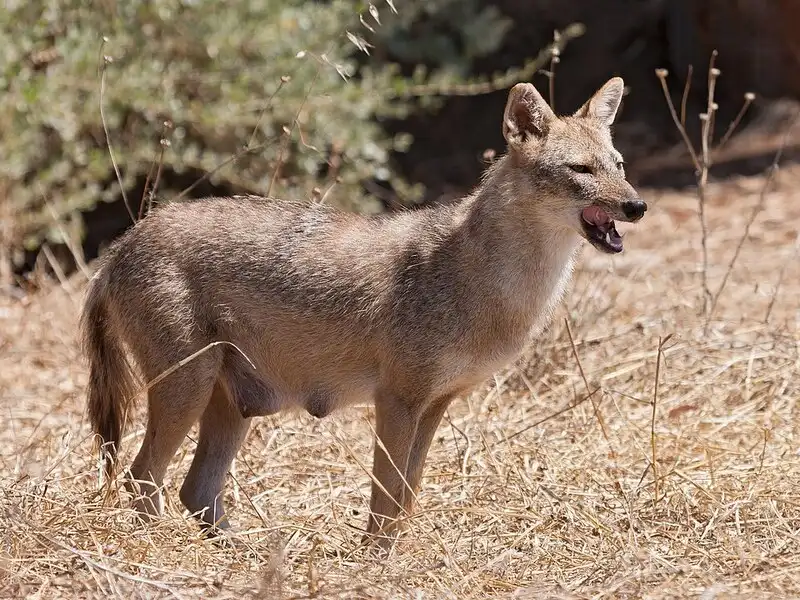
point(408, 310)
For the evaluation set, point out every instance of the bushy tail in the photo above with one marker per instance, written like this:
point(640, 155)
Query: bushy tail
point(111, 381)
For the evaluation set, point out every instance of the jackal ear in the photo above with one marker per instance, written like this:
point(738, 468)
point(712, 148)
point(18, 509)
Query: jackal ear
point(527, 114)
point(605, 102)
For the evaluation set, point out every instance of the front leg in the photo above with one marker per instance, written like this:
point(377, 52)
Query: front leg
point(426, 429)
point(395, 424)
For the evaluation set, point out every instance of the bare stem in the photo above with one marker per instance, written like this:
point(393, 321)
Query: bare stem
point(748, 100)
point(773, 169)
point(284, 80)
point(685, 97)
point(555, 58)
point(223, 164)
point(105, 61)
point(567, 408)
point(75, 249)
point(152, 195)
point(157, 165)
point(701, 172)
point(597, 413)
point(288, 133)
point(701, 204)
point(653, 437)
point(662, 76)
point(781, 273)
point(146, 186)
point(706, 137)
point(249, 148)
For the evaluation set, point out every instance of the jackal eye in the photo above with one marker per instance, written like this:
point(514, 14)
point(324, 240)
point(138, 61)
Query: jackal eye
point(581, 168)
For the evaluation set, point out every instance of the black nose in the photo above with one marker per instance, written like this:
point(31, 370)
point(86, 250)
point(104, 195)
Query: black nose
point(634, 209)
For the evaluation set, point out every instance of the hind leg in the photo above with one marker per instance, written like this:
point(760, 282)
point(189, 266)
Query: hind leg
point(222, 431)
point(174, 405)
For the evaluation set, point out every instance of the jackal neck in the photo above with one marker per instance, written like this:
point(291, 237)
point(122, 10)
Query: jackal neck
point(526, 256)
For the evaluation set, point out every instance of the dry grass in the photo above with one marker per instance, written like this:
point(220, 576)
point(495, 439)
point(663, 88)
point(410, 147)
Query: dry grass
point(512, 505)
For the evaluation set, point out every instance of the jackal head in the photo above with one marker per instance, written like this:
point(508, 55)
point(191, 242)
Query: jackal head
point(567, 166)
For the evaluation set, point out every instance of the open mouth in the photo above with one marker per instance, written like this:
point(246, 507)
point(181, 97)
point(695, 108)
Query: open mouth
point(599, 229)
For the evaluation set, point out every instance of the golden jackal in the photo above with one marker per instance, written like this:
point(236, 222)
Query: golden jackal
point(327, 308)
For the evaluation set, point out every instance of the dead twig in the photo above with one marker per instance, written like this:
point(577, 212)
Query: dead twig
point(770, 177)
point(653, 437)
point(595, 406)
point(105, 61)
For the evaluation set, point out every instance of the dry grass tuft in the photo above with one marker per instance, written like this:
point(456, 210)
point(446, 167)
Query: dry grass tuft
point(513, 504)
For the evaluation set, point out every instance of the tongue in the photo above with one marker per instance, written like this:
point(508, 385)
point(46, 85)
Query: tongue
point(597, 217)
point(594, 215)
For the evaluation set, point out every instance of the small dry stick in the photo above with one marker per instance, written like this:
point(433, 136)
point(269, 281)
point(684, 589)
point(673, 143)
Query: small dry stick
point(249, 148)
point(555, 58)
point(157, 166)
point(701, 162)
point(653, 437)
point(597, 414)
point(685, 98)
point(147, 185)
point(706, 137)
point(185, 361)
point(662, 76)
point(748, 100)
point(773, 169)
point(711, 107)
point(284, 80)
point(312, 568)
point(59, 271)
point(288, 132)
point(75, 251)
point(223, 164)
point(567, 408)
point(763, 452)
point(780, 278)
point(165, 143)
point(105, 61)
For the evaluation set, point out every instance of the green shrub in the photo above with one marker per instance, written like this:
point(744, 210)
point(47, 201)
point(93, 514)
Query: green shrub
point(229, 77)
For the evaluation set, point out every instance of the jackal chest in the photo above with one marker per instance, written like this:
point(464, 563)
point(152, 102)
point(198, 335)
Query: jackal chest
point(501, 332)
point(483, 351)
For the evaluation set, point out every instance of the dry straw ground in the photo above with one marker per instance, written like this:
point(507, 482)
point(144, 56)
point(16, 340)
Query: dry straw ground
point(513, 505)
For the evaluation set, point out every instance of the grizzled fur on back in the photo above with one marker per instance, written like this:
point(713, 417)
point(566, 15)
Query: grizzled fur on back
point(319, 308)
point(395, 302)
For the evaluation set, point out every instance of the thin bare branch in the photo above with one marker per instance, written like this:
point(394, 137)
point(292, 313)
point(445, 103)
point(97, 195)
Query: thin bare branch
point(105, 61)
point(288, 132)
point(597, 414)
point(685, 97)
point(662, 77)
point(781, 275)
point(555, 58)
point(773, 169)
point(748, 100)
point(653, 436)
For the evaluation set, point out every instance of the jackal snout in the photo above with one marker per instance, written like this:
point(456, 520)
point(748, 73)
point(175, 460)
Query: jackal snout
point(627, 206)
point(618, 198)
